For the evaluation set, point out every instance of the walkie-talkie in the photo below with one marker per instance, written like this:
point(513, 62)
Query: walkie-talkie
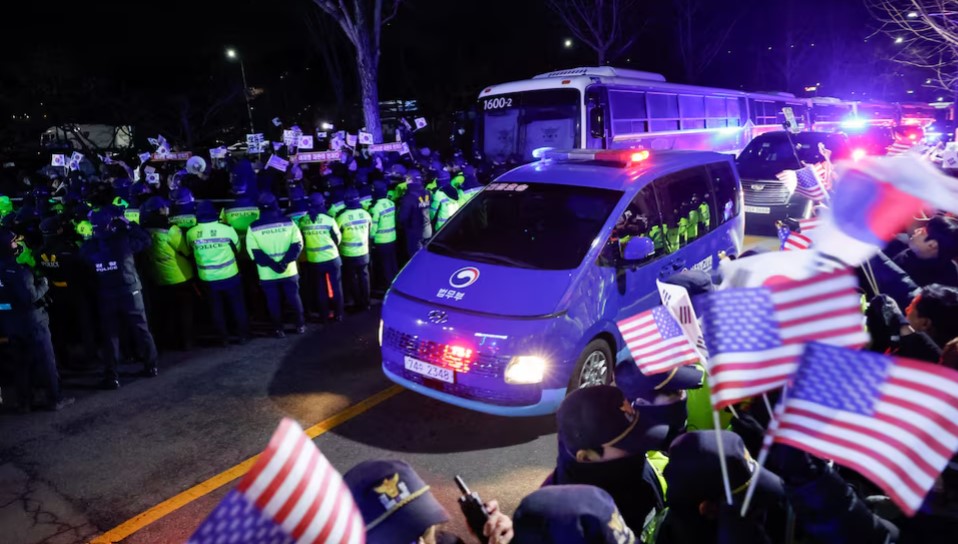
point(472, 508)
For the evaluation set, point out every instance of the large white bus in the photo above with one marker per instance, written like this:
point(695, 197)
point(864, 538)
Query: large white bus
point(613, 108)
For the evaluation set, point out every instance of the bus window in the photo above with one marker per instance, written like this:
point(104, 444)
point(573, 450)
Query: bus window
point(629, 114)
point(692, 108)
point(680, 196)
point(664, 111)
point(726, 192)
point(737, 112)
point(716, 112)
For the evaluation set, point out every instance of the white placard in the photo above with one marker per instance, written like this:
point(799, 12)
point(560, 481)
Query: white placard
point(277, 163)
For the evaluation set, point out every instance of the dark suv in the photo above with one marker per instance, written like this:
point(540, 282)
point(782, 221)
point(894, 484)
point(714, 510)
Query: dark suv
point(767, 199)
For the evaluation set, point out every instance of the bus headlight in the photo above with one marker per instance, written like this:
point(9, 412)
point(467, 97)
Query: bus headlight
point(525, 369)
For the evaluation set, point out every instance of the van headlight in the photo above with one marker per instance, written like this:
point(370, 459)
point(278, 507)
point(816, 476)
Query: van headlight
point(380, 333)
point(525, 369)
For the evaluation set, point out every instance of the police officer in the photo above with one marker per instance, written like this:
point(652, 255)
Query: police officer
point(214, 247)
point(414, 213)
point(139, 193)
point(322, 236)
point(470, 184)
point(274, 242)
point(243, 210)
point(298, 203)
point(445, 200)
point(383, 232)
point(184, 209)
point(355, 224)
point(110, 256)
point(71, 316)
point(24, 320)
point(337, 192)
point(172, 275)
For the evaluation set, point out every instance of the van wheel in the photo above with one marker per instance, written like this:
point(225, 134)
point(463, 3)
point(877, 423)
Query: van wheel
point(594, 366)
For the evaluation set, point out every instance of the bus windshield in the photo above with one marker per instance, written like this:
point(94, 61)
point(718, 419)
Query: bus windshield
point(534, 225)
point(515, 124)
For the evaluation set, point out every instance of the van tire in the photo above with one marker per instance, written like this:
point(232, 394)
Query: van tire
point(594, 366)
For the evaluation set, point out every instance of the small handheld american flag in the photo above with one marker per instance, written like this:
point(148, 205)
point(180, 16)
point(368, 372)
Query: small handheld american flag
point(893, 420)
point(656, 341)
point(756, 335)
point(791, 240)
point(292, 494)
point(807, 182)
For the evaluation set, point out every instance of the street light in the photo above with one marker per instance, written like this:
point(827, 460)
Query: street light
point(232, 55)
point(912, 14)
point(899, 39)
point(567, 43)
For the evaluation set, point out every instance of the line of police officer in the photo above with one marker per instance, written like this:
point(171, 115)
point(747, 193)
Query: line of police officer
point(185, 246)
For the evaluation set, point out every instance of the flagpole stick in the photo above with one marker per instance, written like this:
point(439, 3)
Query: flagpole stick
point(766, 447)
point(721, 452)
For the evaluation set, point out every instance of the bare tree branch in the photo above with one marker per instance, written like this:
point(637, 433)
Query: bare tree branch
point(599, 24)
point(926, 32)
point(363, 27)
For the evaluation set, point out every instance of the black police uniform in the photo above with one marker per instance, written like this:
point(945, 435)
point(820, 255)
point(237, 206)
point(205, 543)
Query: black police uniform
point(110, 256)
point(24, 320)
point(72, 307)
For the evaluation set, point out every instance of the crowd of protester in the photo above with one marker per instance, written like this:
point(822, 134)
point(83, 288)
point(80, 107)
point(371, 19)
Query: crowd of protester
point(100, 270)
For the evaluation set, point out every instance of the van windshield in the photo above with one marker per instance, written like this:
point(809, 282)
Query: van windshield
point(534, 225)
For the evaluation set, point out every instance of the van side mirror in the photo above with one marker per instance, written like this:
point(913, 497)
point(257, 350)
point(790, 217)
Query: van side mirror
point(597, 122)
point(638, 248)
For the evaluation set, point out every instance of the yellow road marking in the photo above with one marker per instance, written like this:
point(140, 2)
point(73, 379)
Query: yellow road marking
point(172, 504)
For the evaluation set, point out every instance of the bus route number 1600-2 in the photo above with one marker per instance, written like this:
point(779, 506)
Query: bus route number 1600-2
point(497, 103)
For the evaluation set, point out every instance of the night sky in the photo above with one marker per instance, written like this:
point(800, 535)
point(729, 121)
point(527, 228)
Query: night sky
point(140, 55)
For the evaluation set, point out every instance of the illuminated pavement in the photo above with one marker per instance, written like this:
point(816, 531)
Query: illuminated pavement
point(103, 464)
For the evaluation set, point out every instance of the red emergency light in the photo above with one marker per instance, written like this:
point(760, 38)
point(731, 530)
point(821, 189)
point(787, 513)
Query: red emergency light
point(458, 358)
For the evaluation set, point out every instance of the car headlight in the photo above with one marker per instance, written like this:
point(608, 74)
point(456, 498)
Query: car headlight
point(525, 369)
point(380, 333)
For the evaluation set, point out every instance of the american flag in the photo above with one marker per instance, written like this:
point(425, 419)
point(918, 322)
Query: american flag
point(756, 335)
point(805, 225)
point(292, 494)
point(896, 149)
point(807, 182)
point(893, 420)
point(792, 240)
point(825, 172)
point(656, 341)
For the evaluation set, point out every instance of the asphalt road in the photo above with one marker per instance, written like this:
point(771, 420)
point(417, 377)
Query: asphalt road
point(74, 475)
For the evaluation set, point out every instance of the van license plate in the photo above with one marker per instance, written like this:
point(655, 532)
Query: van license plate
point(430, 371)
point(758, 209)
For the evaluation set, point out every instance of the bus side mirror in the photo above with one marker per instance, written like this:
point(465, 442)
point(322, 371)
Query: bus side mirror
point(637, 249)
point(597, 122)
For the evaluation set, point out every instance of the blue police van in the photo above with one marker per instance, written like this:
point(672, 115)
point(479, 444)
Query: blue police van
point(514, 302)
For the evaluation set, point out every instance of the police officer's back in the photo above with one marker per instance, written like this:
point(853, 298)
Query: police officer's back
point(383, 233)
point(24, 320)
point(355, 223)
point(274, 242)
point(321, 235)
point(109, 254)
point(71, 313)
point(414, 213)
